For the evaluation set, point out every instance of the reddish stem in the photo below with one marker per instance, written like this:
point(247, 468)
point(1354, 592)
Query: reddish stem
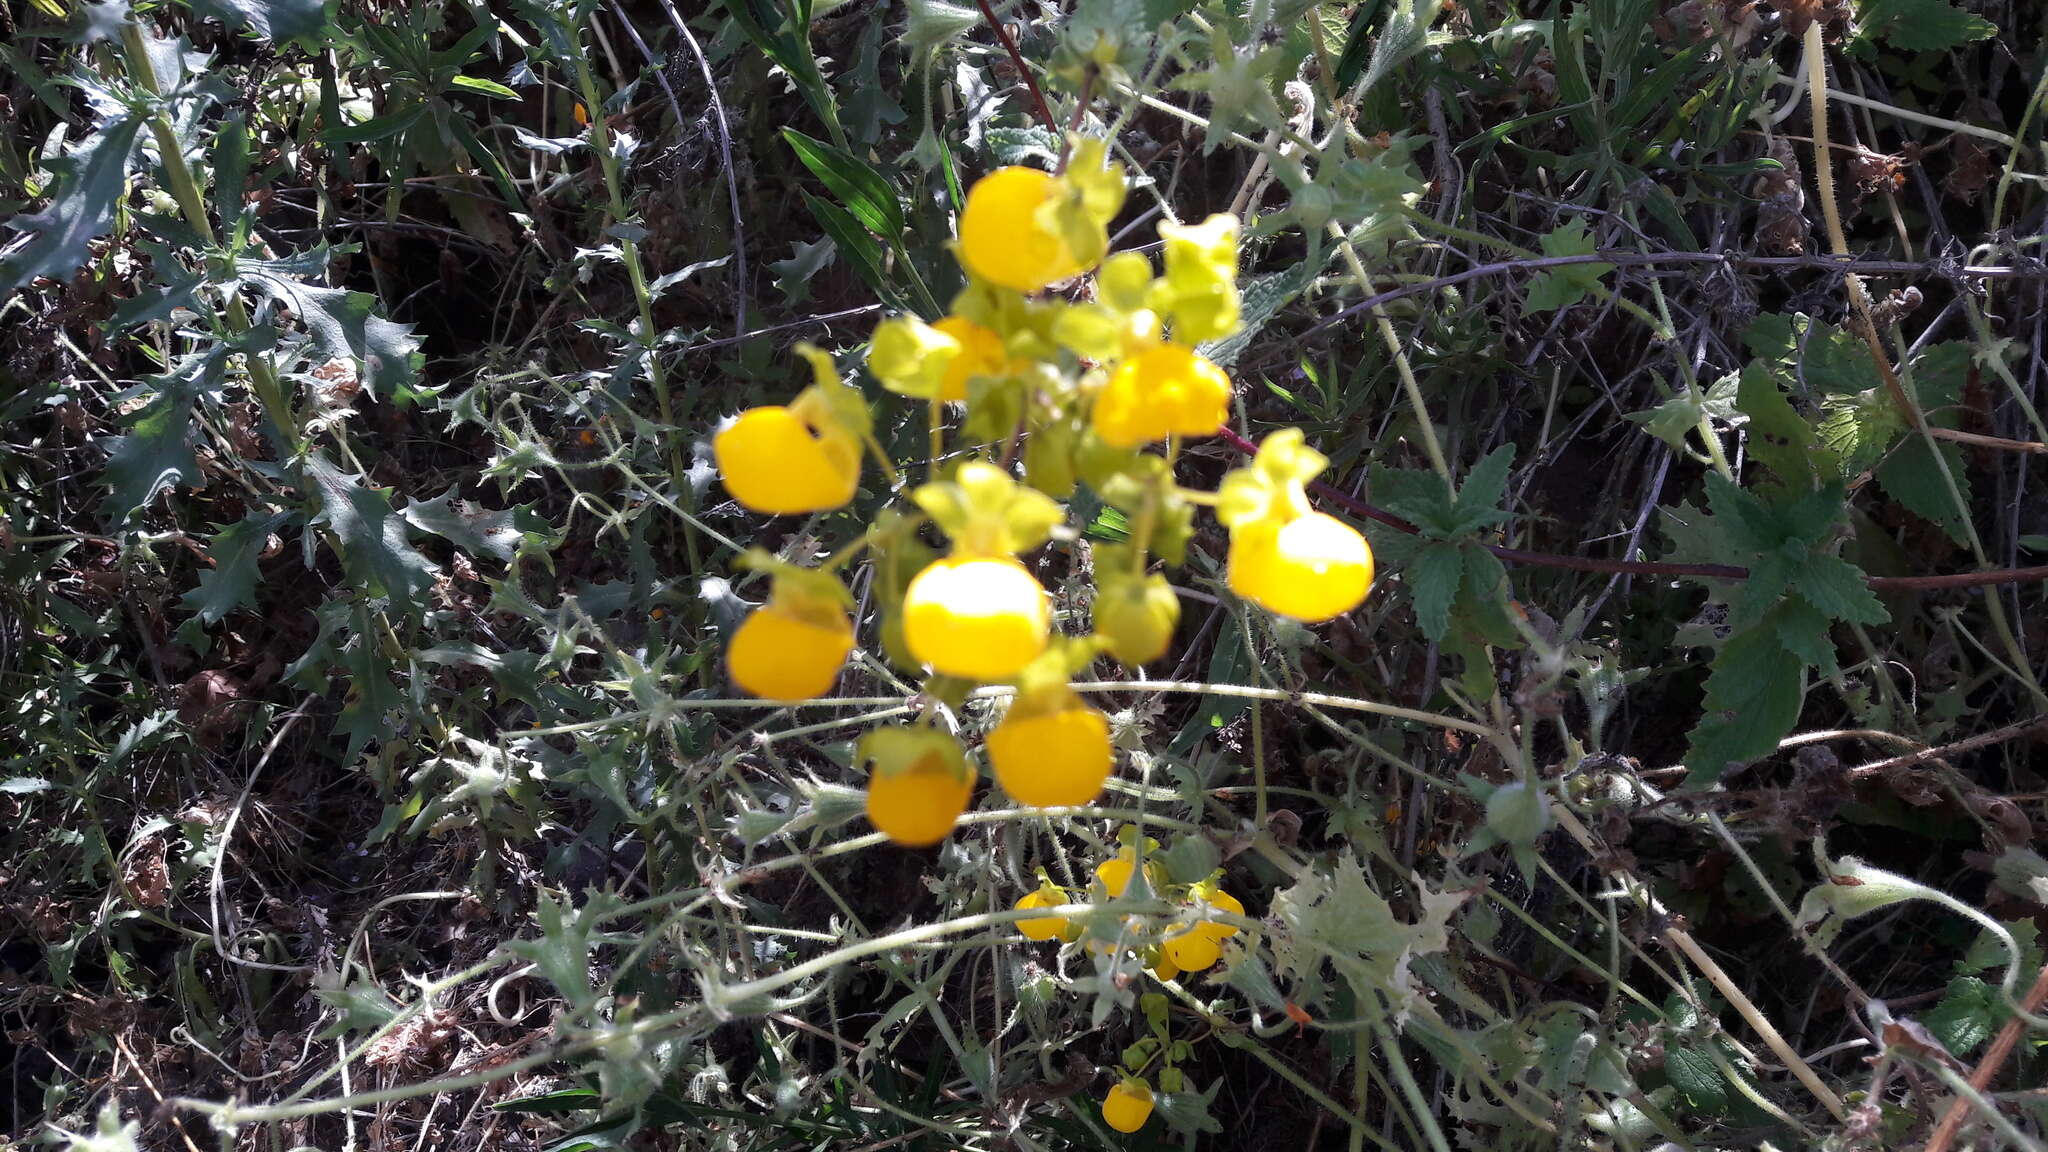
point(1024, 70)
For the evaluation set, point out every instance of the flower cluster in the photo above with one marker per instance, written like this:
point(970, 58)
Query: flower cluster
point(1191, 940)
point(1098, 385)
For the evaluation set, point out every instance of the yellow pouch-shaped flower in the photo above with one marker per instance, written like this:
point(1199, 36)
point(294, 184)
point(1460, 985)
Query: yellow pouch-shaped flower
point(1051, 751)
point(918, 784)
point(1165, 390)
point(979, 618)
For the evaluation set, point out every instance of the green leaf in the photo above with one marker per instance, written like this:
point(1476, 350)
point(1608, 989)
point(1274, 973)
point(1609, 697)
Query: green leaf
point(374, 549)
point(1778, 435)
point(1803, 630)
point(1859, 428)
point(1563, 287)
point(481, 85)
point(1921, 25)
point(344, 326)
point(231, 582)
point(864, 191)
point(156, 453)
point(1911, 476)
point(1479, 498)
point(1838, 588)
point(1697, 1078)
point(854, 242)
point(278, 21)
point(371, 696)
point(793, 276)
point(478, 531)
point(1969, 1013)
point(1418, 496)
point(1754, 694)
point(90, 181)
point(1433, 578)
point(1679, 417)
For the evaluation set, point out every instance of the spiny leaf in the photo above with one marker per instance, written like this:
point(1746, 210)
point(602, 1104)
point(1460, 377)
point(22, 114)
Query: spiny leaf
point(344, 325)
point(278, 21)
point(91, 179)
point(478, 531)
point(374, 548)
point(156, 453)
point(231, 582)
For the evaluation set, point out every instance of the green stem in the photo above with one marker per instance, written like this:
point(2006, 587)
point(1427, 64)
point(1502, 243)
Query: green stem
point(185, 190)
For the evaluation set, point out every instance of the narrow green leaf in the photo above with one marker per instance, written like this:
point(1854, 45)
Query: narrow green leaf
point(90, 180)
point(864, 191)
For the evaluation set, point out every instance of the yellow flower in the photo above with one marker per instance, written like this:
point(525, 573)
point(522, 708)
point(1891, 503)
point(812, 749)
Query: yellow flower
point(981, 354)
point(1193, 950)
point(918, 784)
point(1311, 568)
point(1283, 556)
point(1115, 873)
point(911, 357)
point(1163, 391)
point(976, 618)
point(1052, 758)
point(1199, 291)
point(1003, 240)
point(784, 652)
point(1045, 927)
point(774, 461)
point(1128, 1105)
point(1221, 901)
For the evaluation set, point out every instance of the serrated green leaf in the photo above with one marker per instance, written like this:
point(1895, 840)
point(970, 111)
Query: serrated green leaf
point(1697, 1078)
point(1859, 428)
point(1746, 522)
point(1433, 578)
point(1803, 630)
point(478, 531)
point(279, 21)
point(1482, 606)
point(1921, 25)
point(1563, 287)
point(371, 697)
point(1835, 363)
point(90, 180)
point(1838, 589)
point(345, 326)
point(1969, 1013)
point(374, 549)
point(1479, 497)
point(1754, 694)
point(231, 582)
point(1756, 596)
point(1418, 496)
point(1910, 476)
point(1778, 436)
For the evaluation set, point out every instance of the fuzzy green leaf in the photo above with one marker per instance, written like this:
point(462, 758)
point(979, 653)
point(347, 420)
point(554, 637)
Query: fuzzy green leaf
point(1911, 476)
point(1697, 1078)
point(1839, 590)
point(1433, 578)
point(1754, 694)
point(1563, 287)
point(1921, 25)
point(1967, 1016)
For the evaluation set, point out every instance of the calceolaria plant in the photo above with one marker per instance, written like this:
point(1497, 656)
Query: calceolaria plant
point(1030, 393)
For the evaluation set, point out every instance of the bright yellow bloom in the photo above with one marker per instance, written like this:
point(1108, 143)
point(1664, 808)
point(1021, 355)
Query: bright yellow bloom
point(1003, 239)
point(918, 786)
point(981, 354)
point(1221, 901)
point(774, 461)
point(786, 652)
point(1193, 950)
point(1163, 969)
point(1199, 291)
point(1052, 759)
point(1044, 927)
point(1311, 568)
point(1163, 391)
point(1283, 556)
point(1128, 1105)
point(976, 618)
point(1115, 873)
